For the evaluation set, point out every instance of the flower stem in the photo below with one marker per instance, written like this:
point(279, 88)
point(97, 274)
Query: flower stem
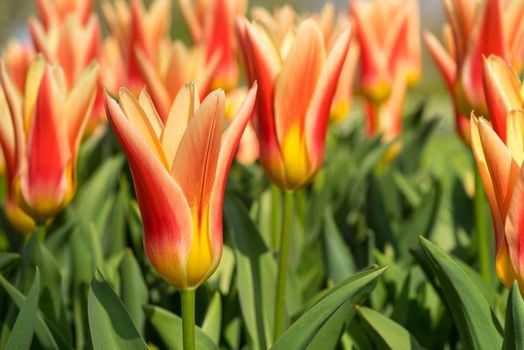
point(276, 211)
point(287, 220)
point(188, 318)
point(481, 233)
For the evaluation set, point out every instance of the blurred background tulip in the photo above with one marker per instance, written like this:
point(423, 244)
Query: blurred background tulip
point(47, 123)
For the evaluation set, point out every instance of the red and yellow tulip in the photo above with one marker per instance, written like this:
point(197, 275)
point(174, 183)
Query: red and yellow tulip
point(53, 12)
point(388, 35)
point(179, 171)
point(476, 29)
point(41, 137)
point(500, 166)
point(136, 27)
point(297, 86)
point(211, 25)
point(178, 66)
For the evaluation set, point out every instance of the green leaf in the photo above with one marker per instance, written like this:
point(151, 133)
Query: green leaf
point(256, 273)
point(339, 261)
point(169, 328)
point(133, 289)
point(477, 326)
point(42, 331)
point(303, 331)
point(213, 320)
point(109, 323)
point(386, 333)
point(514, 327)
point(95, 191)
point(6, 259)
point(35, 254)
point(24, 327)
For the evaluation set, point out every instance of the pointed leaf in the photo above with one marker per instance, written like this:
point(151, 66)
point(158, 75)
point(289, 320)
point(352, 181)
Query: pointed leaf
point(477, 326)
point(301, 333)
point(514, 327)
point(109, 323)
point(21, 335)
point(169, 328)
point(386, 333)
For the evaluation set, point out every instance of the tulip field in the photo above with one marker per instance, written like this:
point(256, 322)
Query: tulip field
point(218, 174)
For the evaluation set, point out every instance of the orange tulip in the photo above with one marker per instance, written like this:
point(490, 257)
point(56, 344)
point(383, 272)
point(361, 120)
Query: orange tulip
point(47, 123)
point(179, 65)
point(53, 12)
point(500, 166)
point(137, 28)
point(386, 119)
point(280, 22)
point(211, 24)
point(179, 171)
point(296, 91)
point(71, 45)
point(476, 29)
point(388, 35)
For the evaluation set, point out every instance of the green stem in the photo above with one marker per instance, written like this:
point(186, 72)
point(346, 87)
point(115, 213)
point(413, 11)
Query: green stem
point(287, 220)
point(276, 204)
point(188, 318)
point(481, 233)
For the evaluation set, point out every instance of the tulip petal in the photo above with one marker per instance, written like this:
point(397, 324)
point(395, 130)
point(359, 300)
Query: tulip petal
point(182, 111)
point(149, 109)
point(318, 112)
point(155, 85)
point(196, 159)
point(230, 141)
point(45, 183)
point(515, 225)
point(165, 212)
point(140, 121)
point(515, 135)
point(32, 85)
point(264, 63)
point(504, 270)
point(296, 83)
point(14, 102)
point(502, 92)
point(79, 104)
point(442, 59)
point(7, 137)
point(488, 39)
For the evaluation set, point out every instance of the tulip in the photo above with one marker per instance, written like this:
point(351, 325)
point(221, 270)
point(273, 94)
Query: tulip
point(386, 119)
point(71, 45)
point(296, 92)
point(18, 57)
point(211, 24)
point(388, 35)
point(500, 167)
point(476, 29)
point(135, 27)
point(280, 22)
point(179, 66)
point(179, 171)
point(47, 124)
point(53, 12)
